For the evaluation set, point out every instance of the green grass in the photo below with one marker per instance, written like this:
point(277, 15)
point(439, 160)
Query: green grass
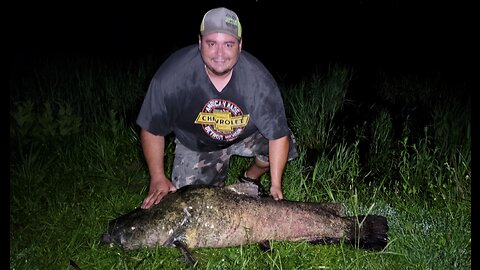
point(76, 163)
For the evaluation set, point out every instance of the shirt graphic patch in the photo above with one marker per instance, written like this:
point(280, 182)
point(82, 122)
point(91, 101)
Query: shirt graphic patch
point(222, 119)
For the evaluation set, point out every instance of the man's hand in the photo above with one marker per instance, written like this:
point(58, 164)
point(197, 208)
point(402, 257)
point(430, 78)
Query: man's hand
point(276, 192)
point(157, 190)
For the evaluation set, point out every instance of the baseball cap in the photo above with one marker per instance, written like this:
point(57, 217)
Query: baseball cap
point(221, 20)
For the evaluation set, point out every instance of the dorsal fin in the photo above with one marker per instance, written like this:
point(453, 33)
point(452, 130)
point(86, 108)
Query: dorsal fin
point(248, 189)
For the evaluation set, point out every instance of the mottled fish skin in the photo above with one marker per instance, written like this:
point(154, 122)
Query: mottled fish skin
point(228, 216)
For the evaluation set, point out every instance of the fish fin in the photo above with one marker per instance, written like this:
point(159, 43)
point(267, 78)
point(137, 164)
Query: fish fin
point(74, 265)
point(334, 208)
point(337, 209)
point(265, 246)
point(245, 188)
point(179, 232)
point(370, 232)
point(187, 255)
point(324, 241)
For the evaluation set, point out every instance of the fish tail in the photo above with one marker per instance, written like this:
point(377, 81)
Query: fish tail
point(369, 232)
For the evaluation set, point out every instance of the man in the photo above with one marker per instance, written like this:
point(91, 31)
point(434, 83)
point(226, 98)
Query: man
point(218, 101)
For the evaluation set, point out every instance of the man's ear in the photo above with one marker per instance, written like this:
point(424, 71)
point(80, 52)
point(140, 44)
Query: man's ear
point(240, 45)
point(199, 42)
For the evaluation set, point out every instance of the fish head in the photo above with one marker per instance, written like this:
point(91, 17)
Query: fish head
point(133, 231)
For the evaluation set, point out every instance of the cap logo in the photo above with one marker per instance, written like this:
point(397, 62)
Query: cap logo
point(232, 21)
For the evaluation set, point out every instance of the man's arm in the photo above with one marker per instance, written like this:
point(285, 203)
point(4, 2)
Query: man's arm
point(278, 155)
point(153, 149)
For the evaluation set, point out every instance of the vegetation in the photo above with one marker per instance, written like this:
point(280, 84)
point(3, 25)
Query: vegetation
point(76, 163)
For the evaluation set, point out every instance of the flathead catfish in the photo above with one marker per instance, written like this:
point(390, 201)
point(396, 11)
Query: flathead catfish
point(234, 215)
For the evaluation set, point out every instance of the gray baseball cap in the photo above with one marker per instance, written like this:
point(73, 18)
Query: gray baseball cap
point(221, 20)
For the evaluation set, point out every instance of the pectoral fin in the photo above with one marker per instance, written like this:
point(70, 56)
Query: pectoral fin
point(187, 255)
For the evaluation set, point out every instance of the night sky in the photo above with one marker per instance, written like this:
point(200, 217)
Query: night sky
point(292, 37)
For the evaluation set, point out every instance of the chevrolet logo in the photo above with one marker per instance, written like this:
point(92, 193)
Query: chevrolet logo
point(222, 121)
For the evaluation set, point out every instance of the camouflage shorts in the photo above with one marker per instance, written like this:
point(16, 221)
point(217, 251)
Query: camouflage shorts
point(210, 168)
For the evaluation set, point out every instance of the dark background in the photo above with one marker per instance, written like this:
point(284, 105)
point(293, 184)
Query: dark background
point(291, 38)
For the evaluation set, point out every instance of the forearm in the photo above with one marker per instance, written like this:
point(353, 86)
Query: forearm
point(153, 149)
point(278, 155)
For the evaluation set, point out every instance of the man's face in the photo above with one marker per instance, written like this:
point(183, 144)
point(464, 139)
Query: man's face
point(220, 52)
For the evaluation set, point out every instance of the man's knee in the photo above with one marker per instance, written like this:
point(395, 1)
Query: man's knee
point(261, 163)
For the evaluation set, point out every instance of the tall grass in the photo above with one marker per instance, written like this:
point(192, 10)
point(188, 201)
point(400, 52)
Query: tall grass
point(76, 163)
point(313, 104)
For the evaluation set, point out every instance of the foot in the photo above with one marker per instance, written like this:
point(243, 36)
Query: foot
point(261, 190)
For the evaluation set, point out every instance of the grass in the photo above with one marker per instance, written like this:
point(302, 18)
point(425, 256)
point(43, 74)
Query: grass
point(76, 163)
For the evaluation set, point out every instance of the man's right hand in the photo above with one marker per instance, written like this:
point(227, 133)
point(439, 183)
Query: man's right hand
point(157, 190)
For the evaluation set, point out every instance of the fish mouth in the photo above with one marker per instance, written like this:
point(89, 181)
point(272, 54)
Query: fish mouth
point(106, 239)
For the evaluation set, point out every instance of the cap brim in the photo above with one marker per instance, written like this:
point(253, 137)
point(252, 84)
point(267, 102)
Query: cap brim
point(204, 33)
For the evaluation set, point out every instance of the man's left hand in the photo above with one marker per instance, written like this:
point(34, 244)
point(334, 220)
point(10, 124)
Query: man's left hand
point(276, 193)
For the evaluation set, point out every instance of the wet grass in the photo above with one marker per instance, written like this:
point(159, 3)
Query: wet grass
point(76, 172)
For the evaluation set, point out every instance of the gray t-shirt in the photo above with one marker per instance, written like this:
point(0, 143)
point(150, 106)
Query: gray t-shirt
point(182, 99)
